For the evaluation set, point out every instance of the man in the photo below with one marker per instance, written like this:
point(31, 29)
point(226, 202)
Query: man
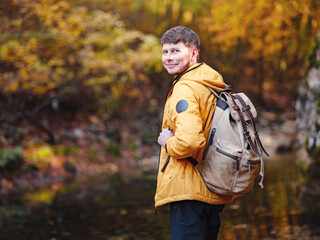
point(194, 209)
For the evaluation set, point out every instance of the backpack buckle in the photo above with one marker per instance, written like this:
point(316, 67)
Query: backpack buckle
point(246, 134)
point(236, 107)
point(245, 108)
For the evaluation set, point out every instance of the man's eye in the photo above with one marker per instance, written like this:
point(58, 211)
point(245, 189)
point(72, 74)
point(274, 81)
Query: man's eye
point(176, 50)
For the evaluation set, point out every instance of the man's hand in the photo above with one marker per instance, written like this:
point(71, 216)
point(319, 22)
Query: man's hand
point(164, 136)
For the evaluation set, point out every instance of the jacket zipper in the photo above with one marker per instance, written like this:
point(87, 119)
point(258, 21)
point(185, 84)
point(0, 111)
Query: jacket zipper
point(230, 156)
point(175, 81)
point(165, 164)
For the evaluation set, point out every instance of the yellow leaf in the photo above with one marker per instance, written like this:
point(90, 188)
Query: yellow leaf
point(11, 87)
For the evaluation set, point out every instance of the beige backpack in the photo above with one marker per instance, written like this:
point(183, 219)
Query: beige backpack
point(233, 155)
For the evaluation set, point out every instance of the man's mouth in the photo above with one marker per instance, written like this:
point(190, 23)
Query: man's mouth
point(171, 65)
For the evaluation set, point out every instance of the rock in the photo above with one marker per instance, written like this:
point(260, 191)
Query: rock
point(78, 133)
point(148, 164)
point(308, 106)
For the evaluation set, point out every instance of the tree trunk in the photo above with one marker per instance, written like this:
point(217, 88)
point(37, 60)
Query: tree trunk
point(29, 115)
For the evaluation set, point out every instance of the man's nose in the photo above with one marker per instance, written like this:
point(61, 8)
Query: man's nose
point(169, 56)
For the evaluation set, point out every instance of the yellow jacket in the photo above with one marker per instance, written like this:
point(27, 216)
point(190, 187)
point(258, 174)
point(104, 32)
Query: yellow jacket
point(188, 112)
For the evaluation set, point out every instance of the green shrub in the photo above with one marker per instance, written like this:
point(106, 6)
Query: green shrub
point(113, 149)
point(66, 150)
point(313, 62)
point(11, 159)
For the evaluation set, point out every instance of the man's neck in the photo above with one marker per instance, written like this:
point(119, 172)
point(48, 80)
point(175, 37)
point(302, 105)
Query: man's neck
point(177, 77)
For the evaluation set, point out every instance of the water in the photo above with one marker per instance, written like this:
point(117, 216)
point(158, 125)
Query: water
point(120, 207)
point(279, 211)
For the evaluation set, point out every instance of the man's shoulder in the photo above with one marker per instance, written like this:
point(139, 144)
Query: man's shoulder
point(191, 89)
point(203, 77)
point(193, 84)
point(189, 85)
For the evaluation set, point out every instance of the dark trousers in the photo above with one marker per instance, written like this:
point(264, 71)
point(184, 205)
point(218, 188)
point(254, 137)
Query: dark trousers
point(194, 220)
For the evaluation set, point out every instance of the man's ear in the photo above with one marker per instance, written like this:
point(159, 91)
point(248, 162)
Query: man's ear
point(195, 54)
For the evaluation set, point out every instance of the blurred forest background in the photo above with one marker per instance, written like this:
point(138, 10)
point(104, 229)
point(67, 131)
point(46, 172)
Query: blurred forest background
point(82, 85)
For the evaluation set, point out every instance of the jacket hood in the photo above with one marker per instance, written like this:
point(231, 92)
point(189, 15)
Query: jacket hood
point(202, 73)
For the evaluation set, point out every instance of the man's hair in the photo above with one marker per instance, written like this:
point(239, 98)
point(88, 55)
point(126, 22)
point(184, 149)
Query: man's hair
point(184, 34)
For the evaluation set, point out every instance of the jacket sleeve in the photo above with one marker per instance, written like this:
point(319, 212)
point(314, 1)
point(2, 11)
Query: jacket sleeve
point(188, 128)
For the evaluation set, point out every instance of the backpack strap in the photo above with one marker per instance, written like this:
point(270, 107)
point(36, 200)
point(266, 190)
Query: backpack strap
point(223, 105)
point(246, 134)
point(246, 109)
point(216, 94)
point(192, 161)
point(228, 89)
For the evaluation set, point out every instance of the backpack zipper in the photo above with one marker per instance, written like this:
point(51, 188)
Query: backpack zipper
point(249, 162)
point(253, 161)
point(209, 143)
point(230, 156)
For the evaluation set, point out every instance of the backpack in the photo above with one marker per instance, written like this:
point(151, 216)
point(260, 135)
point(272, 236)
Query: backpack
point(233, 154)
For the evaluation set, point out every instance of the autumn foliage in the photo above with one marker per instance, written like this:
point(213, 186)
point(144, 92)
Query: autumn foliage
point(59, 51)
point(103, 56)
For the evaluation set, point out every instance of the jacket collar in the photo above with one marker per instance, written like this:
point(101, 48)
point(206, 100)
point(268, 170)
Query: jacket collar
point(186, 71)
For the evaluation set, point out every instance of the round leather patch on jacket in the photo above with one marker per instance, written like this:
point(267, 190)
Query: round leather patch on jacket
point(182, 106)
